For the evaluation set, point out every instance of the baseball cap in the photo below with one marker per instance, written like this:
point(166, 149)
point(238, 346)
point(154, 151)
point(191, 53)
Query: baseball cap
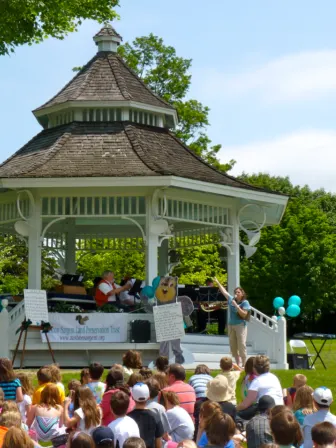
point(102, 434)
point(322, 395)
point(140, 392)
point(265, 402)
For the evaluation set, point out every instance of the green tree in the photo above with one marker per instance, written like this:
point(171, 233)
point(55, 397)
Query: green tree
point(14, 268)
point(32, 21)
point(168, 75)
point(297, 256)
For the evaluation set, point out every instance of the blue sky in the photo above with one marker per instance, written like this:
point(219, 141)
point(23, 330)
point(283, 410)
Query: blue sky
point(267, 70)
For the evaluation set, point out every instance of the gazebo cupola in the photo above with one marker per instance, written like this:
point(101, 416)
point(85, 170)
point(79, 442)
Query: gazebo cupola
point(106, 173)
point(106, 90)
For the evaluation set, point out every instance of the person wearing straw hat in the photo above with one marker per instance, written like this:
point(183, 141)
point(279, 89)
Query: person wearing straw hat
point(218, 390)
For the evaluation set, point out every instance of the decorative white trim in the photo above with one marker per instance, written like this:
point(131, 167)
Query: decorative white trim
point(61, 218)
point(75, 104)
point(137, 224)
point(32, 203)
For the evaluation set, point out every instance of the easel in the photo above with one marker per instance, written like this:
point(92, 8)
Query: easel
point(25, 326)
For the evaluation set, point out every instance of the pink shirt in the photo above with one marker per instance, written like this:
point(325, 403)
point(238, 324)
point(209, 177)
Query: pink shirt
point(186, 395)
point(108, 415)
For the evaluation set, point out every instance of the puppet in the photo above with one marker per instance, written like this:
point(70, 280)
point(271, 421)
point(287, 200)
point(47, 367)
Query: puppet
point(164, 292)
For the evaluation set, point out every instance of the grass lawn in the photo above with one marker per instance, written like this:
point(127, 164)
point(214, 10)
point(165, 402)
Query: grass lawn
point(317, 377)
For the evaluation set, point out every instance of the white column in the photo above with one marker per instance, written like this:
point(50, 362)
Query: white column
point(151, 245)
point(70, 253)
point(233, 261)
point(163, 258)
point(34, 246)
point(4, 330)
point(281, 354)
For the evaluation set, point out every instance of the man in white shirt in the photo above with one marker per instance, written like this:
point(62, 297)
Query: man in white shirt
point(107, 289)
point(322, 398)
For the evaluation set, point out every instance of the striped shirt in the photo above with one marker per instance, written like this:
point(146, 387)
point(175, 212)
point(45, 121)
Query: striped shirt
point(199, 383)
point(186, 395)
point(9, 388)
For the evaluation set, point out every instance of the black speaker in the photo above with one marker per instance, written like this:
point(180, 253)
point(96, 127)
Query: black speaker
point(140, 331)
point(297, 361)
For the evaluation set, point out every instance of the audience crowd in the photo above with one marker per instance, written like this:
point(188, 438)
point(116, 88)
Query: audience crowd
point(135, 407)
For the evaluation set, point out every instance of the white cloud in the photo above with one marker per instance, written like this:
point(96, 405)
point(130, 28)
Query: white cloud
point(307, 157)
point(293, 77)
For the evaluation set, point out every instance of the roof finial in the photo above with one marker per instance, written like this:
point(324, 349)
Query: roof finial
point(107, 39)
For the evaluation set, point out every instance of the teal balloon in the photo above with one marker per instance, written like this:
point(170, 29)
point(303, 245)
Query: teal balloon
point(148, 291)
point(278, 302)
point(156, 282)
point(293, 311)
point(294, 300)
point(279, 317)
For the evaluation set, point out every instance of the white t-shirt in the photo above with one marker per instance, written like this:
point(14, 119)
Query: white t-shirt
point(105, 287)
point(123, 428)
point(181, 425)
point(81, 425)
point(268, 384)
point(22, 407)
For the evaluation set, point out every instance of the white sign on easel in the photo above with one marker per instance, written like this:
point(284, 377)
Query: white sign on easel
point(168, 321)
point(36, 307)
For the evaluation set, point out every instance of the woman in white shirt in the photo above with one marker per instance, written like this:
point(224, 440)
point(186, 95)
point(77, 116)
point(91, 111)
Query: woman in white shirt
point(181, 425)
point(265, 384)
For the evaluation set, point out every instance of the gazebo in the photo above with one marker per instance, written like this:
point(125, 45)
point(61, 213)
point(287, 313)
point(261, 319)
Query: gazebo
point(106, 168)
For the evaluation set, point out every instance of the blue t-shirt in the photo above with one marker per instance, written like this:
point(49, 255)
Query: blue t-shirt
point(204, 441)
point(234, 318)
point(9, 388)
point(199, 383)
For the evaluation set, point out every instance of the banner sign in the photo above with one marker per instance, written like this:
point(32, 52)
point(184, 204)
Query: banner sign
point(168, 322)
point(91, 327)
point(36, 308)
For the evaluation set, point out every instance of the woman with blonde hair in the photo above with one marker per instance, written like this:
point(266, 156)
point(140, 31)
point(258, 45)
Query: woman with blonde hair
point(181, 425)
point(17, 438)
point(88, 416)
point(46, 418)
point(303, 403)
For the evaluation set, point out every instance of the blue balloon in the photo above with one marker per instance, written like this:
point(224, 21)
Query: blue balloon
point(278, 302)
point(294, 300)
point(293, 311)
point(148, 291)
point(156, 282)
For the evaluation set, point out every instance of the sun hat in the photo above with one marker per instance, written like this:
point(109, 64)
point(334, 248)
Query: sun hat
point(140, 392)
point(323, 396)
point(218, 389)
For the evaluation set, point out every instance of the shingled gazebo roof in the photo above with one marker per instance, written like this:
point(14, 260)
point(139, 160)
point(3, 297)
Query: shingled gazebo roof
point(119, 147)
point(106, 77)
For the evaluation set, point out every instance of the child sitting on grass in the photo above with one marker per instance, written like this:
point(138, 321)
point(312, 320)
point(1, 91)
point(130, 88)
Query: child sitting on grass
point(96, 371)
point(299, 380)
point(27, 391)
point(232, 372)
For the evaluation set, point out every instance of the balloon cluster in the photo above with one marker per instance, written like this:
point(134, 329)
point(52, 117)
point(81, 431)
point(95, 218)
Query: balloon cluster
point(293, 309)
point(149, 291)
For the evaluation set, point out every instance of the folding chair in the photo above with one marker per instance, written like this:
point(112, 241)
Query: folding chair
point(298, 343)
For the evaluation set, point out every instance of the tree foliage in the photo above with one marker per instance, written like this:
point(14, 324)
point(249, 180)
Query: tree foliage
point(297, 256)
point(32, 21)
point(168, 75)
